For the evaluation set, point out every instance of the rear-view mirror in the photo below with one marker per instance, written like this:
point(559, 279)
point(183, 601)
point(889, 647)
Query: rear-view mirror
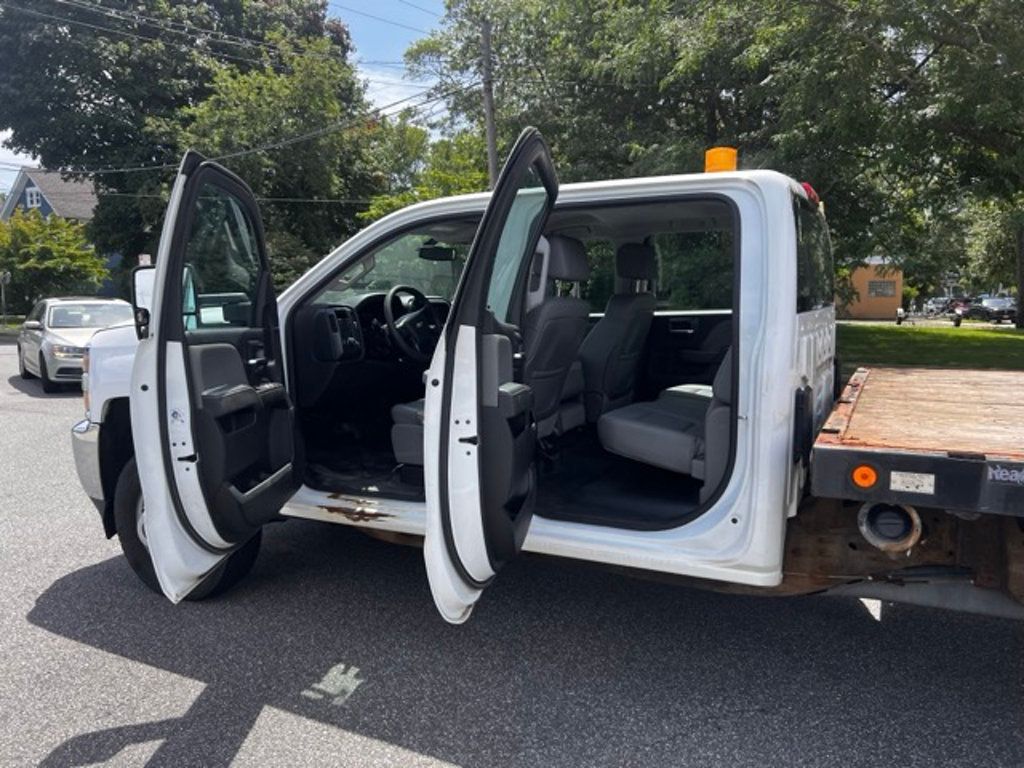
point(437, 252)
point(142, 298)
point(32, 325)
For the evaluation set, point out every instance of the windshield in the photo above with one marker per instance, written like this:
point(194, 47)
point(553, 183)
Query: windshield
point(996, 303)
point(418, 259)
point(88, 315)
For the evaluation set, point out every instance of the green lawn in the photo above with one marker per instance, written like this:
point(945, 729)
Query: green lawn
point(963, 347)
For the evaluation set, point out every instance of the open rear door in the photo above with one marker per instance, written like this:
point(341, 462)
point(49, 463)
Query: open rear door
point(212, 422)
point(480, 434)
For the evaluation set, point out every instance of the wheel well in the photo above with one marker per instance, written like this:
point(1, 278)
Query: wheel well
point(116, 447)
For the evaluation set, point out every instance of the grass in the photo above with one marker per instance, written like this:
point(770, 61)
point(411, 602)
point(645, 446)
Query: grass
point(943, 347)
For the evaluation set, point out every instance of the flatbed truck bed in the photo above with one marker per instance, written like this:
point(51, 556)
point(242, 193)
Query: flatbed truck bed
point(938, 438)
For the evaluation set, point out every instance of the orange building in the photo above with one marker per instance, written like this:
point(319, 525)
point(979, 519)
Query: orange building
point(879, 290)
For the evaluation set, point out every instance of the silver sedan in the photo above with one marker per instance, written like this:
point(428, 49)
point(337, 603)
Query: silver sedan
point(55, 333)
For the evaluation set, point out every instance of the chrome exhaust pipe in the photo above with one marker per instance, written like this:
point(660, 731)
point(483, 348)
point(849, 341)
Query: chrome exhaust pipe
point(892, 528)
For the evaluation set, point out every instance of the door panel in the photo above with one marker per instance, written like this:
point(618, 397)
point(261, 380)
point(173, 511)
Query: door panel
point(480, 433)
point(212, 422)
point(684, 348)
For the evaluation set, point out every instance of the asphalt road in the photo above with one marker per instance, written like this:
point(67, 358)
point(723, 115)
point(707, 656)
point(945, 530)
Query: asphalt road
point(331, 653)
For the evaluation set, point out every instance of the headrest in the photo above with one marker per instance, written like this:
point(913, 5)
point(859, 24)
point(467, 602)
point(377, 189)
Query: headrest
point(636, 261)
point(721, 389)
point(567, 260)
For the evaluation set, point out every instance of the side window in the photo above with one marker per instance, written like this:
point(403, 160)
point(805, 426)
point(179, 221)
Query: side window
point(37, 311)
point(815, 275)
point(695, 270)
point(222, 262)
point(521, 228)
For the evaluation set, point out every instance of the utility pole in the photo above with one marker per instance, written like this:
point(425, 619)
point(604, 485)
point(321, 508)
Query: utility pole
point(492, 141)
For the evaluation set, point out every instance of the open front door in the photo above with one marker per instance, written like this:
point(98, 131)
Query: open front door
point(480, 435)
point(211, 420)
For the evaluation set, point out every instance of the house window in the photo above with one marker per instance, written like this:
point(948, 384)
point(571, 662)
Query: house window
point(33, 197)
point(882, 288)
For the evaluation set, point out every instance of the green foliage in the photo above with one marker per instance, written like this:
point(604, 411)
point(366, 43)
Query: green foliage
point(46, 257)
point(80, 96)
point(453, 166)
point(897, 113)
point(262, 106)
point(993, 242)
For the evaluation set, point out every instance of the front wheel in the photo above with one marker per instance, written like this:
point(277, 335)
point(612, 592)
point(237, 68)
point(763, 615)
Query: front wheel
point(131, 531)
point(49, 385)
point(24, 372)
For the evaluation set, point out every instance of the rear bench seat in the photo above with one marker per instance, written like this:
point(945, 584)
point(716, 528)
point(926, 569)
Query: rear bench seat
point(685, 430)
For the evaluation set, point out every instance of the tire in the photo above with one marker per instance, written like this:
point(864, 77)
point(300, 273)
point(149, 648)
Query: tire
point(127, 508)
point(24, 372)
point(49, 385)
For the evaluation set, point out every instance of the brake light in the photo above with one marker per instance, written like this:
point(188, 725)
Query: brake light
point(811, 194)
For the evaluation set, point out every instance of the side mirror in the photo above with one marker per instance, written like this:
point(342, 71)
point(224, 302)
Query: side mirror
point(32, 325)
point(142, 298)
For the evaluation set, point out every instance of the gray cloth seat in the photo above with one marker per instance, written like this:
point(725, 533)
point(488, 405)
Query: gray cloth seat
point(553, 328)
point(612, 350)
point(407, 432)
point(678, 431)
point(552, 332)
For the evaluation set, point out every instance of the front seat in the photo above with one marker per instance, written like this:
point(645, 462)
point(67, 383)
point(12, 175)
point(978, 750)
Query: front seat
point(554, 327)
point(552, 332)
point(611, 352)
point(407, 432)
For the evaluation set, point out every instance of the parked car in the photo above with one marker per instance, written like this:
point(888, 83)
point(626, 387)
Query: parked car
point(993, 309)
point(937, 305)
point(55, 333)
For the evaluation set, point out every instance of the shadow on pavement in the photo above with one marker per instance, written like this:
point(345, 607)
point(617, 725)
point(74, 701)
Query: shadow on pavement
point(33, 388)
point(560, 665)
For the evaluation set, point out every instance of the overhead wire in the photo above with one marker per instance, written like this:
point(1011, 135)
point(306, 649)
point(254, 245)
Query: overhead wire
point(378, 112)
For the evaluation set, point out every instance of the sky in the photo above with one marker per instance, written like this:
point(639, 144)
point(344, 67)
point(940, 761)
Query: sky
point(381, 31)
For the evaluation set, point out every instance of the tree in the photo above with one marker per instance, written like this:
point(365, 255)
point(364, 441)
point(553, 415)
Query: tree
point(46, 257)
point(896, 113)
point(81, 81)
point(311, 188)
point(453, 166)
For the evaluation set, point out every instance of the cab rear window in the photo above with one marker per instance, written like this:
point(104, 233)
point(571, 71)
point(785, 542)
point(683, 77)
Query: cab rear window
point(815, 273)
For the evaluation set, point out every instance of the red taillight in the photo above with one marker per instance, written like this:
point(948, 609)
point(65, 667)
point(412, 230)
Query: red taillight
point(811, 194)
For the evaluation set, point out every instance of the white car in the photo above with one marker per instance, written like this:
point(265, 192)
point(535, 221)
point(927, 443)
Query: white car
point(55, 333)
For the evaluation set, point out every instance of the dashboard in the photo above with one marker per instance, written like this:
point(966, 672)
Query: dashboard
point(329, 337)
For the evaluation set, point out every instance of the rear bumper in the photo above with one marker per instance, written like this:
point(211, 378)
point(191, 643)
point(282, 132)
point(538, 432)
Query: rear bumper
point(85, 444)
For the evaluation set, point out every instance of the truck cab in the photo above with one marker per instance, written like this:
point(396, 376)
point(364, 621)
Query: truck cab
point(626, 372)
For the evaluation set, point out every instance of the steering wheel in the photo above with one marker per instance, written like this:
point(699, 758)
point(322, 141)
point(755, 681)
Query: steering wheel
point(417, 331)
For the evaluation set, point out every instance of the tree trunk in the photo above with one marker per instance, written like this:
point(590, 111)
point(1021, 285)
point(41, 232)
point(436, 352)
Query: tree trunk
point(1020, 274)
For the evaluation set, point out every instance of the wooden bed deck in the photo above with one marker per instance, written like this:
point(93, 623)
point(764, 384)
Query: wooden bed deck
point(930, 410)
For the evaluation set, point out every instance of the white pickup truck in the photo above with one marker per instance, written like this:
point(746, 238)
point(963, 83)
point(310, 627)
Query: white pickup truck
point(636, 373)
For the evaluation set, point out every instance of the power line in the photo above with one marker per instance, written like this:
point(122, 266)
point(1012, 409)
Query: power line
point(170, 25)
point(280, 144)
point(378, 18)
point(420, 8)
point(271, 48)
point(100, 28)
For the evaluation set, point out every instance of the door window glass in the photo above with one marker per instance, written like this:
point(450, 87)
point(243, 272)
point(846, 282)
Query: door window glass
point(222, 262)
point(520, 233)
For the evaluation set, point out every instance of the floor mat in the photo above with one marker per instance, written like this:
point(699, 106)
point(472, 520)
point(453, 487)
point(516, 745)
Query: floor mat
point(589, 485)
